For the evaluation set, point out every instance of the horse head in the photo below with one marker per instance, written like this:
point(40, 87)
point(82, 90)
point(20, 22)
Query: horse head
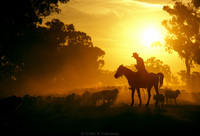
point(119, 71)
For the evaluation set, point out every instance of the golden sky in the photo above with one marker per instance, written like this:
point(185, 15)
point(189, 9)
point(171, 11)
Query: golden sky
point(121, 27)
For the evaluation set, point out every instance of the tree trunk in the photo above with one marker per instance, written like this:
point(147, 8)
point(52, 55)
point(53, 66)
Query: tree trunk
point(187, 64)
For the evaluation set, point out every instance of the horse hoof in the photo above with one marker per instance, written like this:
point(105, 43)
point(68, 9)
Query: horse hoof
point(147, 105)
point(140, 105)
point(132, 105)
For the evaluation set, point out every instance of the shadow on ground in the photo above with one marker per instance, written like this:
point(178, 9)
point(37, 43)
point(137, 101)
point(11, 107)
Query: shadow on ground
point(117, 119)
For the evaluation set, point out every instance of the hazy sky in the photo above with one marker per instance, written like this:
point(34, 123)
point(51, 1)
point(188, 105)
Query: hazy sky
point(118, 27)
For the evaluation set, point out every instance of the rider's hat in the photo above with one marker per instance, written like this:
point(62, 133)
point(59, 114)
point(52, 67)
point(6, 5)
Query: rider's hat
point(135, 54)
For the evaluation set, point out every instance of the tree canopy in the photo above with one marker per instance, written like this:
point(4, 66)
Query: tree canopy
point(18, 20)
point(155, 65)
point(183, 33)
point(54, 53)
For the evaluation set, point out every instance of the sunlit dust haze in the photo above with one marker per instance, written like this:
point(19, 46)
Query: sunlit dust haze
point(100, 67)
point(121, 27)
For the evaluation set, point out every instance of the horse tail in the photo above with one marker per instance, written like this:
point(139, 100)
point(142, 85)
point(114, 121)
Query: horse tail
point(161, 77)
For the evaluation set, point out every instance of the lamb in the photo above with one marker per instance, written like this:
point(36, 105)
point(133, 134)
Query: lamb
point(172, 95)
point(159, 99)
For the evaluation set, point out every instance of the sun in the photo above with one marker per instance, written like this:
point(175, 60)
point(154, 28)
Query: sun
point(151, 35)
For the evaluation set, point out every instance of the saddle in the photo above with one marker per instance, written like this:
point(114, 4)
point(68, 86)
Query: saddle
point(142, 78)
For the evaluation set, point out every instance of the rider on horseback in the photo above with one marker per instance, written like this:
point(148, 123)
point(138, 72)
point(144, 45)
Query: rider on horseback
point(142, 72)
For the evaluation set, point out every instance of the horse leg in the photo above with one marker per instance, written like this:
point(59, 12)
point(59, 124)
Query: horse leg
point(133, 91)
point(149, 95)
point(156, 88)
point(138, 91)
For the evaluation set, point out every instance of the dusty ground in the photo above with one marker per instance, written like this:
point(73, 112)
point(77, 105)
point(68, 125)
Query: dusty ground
point(118, 119)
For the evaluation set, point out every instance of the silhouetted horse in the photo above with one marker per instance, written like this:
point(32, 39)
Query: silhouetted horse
point(136, 83)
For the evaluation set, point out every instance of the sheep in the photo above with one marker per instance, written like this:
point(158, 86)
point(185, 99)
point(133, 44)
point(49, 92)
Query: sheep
point(105, 97)
point(159, 99)
point(86, 98)
point(171, 94)
point(110, 96)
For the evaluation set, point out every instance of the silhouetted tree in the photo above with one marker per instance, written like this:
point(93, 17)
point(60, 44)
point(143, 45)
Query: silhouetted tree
point(8, 70)
point(80, 56)
point(167, 72)
point(196, 3)
point(195, 80)
point(19, 21)
point(155, 65)
point(182, 74)
point(175, 81)
point(58, 52)
point(183, 33)
point(50, 53)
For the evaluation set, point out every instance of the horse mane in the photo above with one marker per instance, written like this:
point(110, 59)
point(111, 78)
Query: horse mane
point(128, 70)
